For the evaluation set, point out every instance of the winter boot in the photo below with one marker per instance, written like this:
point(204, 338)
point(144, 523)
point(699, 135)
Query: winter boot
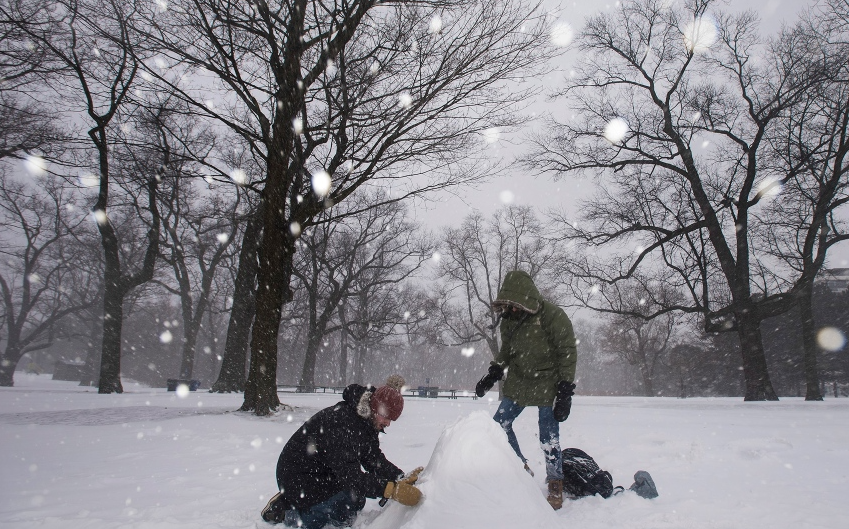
point(528, 470)
point(555, 493)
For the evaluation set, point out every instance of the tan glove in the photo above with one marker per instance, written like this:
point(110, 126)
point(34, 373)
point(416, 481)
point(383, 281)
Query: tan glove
point(412, 476)
point(403, 493)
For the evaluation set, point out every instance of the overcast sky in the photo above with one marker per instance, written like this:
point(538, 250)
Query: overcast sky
point(541, 191)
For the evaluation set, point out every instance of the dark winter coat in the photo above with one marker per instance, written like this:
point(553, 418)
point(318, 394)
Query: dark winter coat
point(329, 452)
point(537, 345)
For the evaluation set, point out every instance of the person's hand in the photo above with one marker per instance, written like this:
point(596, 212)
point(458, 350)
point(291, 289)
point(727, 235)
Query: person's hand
point(412, 476)
point(495, 373)
point(403, 493)
point(563, 400)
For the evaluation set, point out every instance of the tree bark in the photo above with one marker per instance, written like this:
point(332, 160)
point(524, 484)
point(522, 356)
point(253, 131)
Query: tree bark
point(231, 378)
point(755, 371)
point(8, 364)
point(809, 343)
point(113, 321)
point(190, 338)
point(273, 279)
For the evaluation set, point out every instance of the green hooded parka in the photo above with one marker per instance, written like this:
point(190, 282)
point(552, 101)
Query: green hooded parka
point(537, 346)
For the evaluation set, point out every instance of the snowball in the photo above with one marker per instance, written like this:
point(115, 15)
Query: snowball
point(166, 336)
point(831, 338)
point(467, 351)
point(182, 391)
point(89, 180)
point(435, 24)
point(616, 130)
point(405, 100)
point(769, 187)
point(699, 35)
point(562, 34)
point(222, 237)
point(100, 217)
point(298, 125)
point(321, 183)
point(35, 165)
point(491, 135)
point(238, 176)
point(506, 196)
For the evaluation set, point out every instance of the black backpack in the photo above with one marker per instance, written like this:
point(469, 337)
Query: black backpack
point(583, 477)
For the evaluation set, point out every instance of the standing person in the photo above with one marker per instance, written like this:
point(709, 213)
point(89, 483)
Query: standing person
point(538, 356)
point(333, 462)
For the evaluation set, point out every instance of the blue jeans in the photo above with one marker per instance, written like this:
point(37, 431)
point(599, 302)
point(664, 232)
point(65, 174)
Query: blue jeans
point(339, 510)
point(549, 435)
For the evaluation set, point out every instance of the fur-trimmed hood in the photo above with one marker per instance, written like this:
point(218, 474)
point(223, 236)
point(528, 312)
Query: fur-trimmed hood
point(519, 291)
point(359, 398)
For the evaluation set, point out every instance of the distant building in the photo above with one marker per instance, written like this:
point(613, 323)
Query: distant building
point(836, 279)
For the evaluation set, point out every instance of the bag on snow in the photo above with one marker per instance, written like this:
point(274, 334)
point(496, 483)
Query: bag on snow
point(583, 477)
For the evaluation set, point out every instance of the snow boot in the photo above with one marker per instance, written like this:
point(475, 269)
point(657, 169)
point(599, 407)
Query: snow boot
point(555, 493)
point(528, 470)
point(275, 510)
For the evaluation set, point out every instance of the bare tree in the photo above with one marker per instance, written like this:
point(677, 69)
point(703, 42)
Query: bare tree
point(377, 247)
point(200, 230)
point(340, 94)
point(89, 41)
point(639, 341)
point(231, 376)
point(39, 272)
point(803, 219)
point(675, 113)
point(476, 257)
point(29, 126)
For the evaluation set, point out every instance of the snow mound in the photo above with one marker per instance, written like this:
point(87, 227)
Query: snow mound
point(473, 480)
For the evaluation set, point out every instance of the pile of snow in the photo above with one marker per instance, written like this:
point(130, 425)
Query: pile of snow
point(471, 477)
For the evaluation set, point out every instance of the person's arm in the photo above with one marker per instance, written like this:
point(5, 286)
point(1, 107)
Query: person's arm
point(342, 456)
point(561, 337)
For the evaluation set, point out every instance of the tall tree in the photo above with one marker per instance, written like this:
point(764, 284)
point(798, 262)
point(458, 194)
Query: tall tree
point(332, 95)
point(378, 245)
point(39, 270)
point(810, 152)
point(200, 231)
point(673, 111)
point(89, 41)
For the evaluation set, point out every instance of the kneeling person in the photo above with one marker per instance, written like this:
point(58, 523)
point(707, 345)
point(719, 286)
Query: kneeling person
point(333, 462)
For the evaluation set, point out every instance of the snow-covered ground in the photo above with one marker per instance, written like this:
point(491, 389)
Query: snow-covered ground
point(70, 458)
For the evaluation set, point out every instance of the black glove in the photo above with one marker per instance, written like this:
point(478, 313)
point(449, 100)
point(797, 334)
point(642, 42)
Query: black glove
point(495, 373)
point(563, 400)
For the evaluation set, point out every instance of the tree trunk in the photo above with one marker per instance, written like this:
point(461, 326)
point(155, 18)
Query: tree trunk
point(809, 343)
point(273, 279)
point(113, 321)
point(648, 384)
point(8, 364)
point(758, 385)
point(231, 378)
point(308, 373)
point(190, 338)
point(343, 345)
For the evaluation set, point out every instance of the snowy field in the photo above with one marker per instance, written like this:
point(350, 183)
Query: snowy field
point(70, 458)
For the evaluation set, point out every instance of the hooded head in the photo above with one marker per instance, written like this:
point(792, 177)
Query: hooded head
point(518, 290)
